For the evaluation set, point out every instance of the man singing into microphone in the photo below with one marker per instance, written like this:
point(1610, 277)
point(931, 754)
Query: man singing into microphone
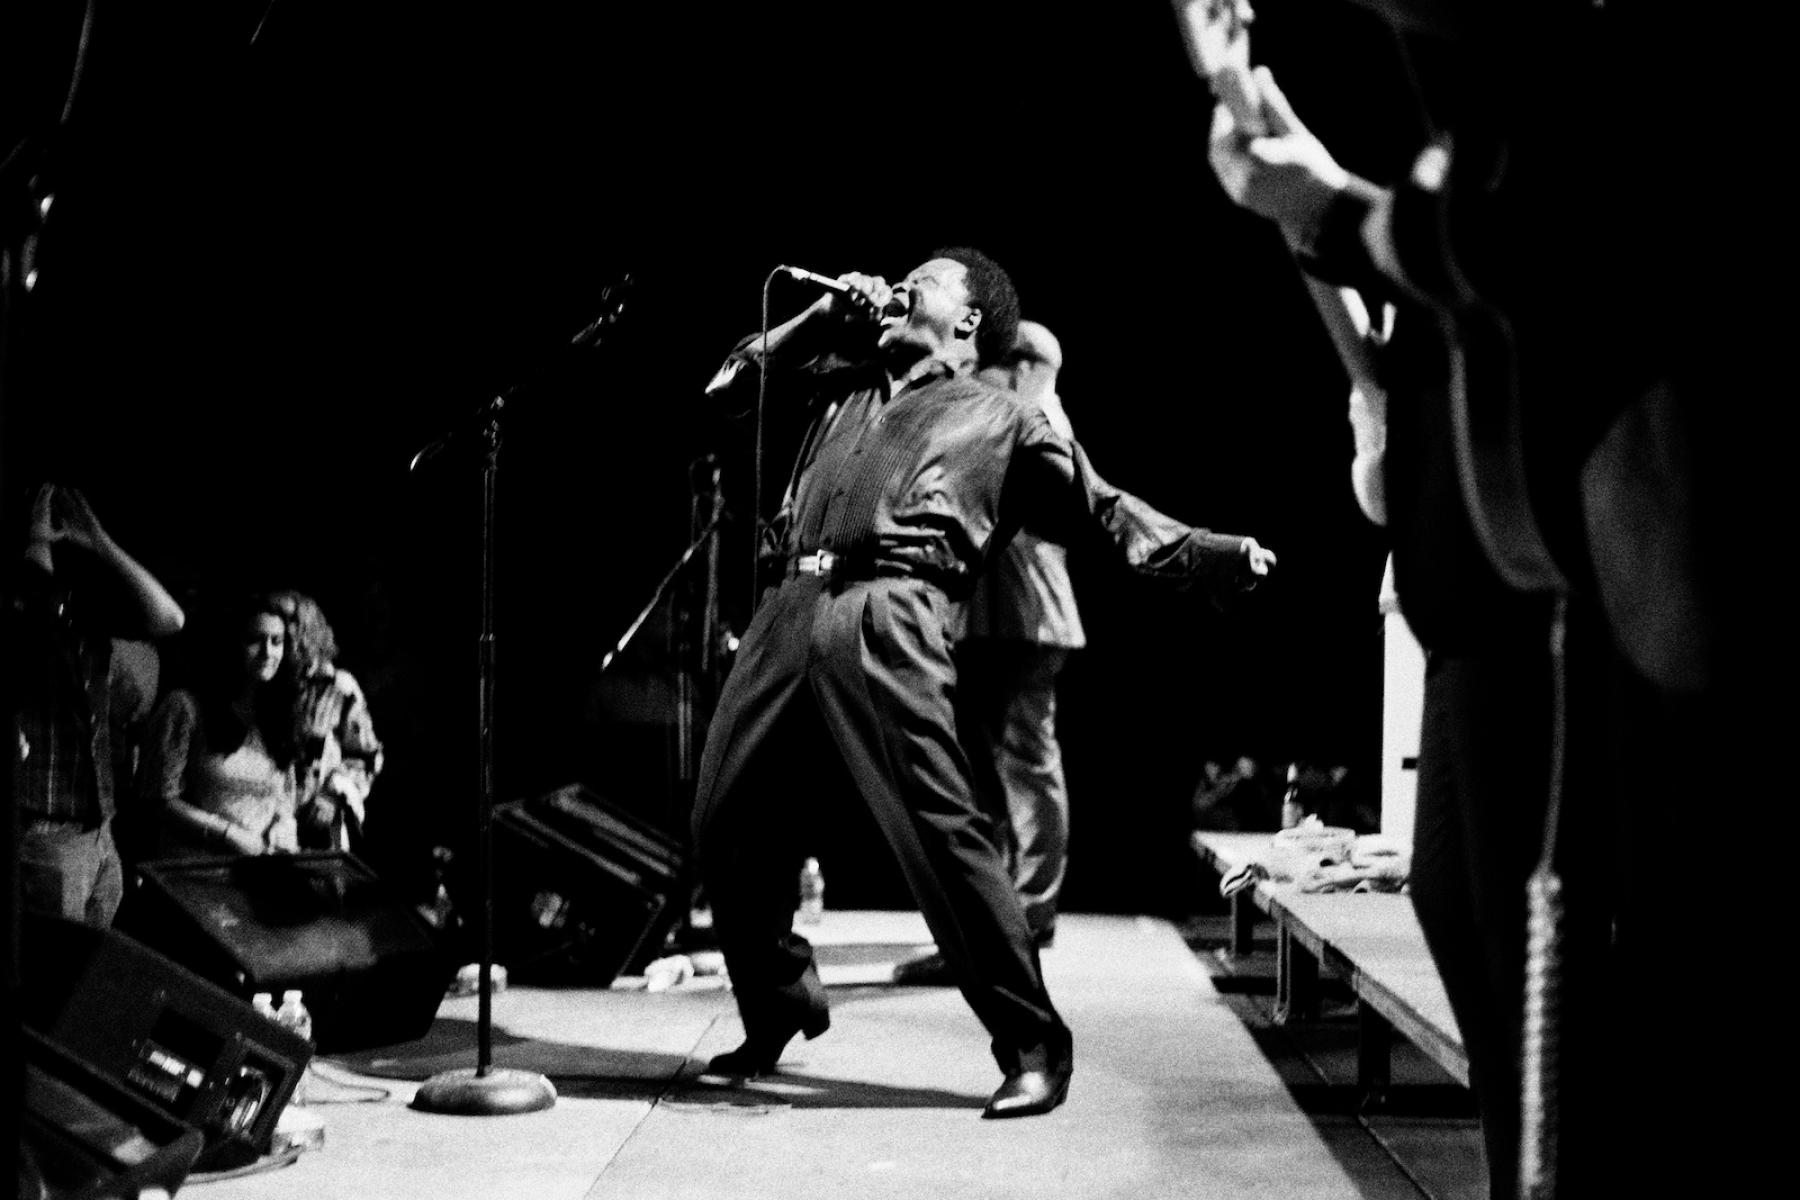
point(913, 475)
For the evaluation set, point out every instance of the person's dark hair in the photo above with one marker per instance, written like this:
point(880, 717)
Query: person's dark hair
point(217, 674)
point(311, 640)
point(990, 290)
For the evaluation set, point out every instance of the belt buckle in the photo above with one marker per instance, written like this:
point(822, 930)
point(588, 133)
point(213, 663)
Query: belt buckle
point(820, 564)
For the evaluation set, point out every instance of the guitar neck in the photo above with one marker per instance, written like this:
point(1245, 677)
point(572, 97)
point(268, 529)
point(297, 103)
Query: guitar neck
point(1347, 324)
point(1342, 309)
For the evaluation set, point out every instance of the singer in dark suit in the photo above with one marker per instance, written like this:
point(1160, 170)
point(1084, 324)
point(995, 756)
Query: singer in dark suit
point(912, 476)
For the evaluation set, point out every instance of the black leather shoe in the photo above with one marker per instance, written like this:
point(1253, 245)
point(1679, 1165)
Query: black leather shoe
point(762, 1050)
point(1029, 1093)
point(929, 971)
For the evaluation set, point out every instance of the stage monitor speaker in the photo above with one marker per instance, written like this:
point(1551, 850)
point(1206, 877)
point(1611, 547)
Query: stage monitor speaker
point(372, 972)
point(83, 1135)
point(584, 889)
point(160, 1032)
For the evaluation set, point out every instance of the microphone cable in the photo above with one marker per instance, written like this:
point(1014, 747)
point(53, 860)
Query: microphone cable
point(756, 459)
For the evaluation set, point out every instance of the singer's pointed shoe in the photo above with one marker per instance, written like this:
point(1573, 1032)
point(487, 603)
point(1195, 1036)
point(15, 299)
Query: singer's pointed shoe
point(801, 1007)
point(1029, 1093)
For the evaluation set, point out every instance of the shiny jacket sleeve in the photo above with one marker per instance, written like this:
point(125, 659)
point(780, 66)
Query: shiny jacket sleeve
point(733, 387)
point(1065, 499)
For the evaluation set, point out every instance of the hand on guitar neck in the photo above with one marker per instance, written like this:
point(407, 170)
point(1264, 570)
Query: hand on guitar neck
point(1269, 163)
point(1266, 159)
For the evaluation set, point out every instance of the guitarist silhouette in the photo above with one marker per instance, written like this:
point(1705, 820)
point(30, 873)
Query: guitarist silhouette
point(1523, 444)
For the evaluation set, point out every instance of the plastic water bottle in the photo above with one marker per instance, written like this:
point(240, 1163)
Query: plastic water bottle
point(293, 1014)
point(1292, 811)
point(441, 912)
point(812, 893)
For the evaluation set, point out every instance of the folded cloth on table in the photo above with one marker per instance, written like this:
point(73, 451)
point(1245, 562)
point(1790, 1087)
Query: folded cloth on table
point(1320, 859)
point(1312, 844)
point(1374, 864)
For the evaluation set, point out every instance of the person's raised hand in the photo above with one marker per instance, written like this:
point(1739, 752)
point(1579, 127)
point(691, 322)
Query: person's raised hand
point(43, 524)
point(1280, 170)
point(72, 519)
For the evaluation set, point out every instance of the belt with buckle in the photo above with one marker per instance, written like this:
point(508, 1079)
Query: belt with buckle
point(821, 564)
point(830, 565)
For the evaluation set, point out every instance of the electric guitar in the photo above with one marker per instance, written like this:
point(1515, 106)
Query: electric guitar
point(1482, 385)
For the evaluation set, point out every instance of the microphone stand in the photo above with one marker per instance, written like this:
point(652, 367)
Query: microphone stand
point(711, 626)
point(488, 1091)
point(484, 1090)
point(662, 589)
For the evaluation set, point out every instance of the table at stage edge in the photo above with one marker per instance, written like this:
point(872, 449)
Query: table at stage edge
point(1225, 853)
point(1372, 940)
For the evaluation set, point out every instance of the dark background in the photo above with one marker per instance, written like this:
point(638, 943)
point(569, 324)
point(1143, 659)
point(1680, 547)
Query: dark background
point(292, 244)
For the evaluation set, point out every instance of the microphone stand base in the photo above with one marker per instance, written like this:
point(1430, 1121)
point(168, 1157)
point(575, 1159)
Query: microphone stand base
point(496, 1092)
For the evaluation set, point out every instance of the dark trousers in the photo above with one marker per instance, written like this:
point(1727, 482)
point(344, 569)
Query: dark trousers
point(1637, 1074)
point(1007, 706)
point(861, 672)
point(69, 871)
point(1484, 767)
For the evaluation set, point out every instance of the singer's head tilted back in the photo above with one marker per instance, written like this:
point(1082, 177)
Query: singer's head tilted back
point(959, 306)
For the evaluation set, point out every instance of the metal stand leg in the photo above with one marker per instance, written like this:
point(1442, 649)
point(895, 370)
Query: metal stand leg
point(1243, 925)
point(1374, 1063)
point(1296, 979)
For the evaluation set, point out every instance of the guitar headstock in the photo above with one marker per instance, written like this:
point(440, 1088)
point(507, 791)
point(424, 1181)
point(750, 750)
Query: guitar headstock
point(1217, 33)
point(612, 305)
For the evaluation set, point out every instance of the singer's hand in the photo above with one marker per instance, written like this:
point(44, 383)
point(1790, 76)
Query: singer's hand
point(869, 296)
point(1257, 561)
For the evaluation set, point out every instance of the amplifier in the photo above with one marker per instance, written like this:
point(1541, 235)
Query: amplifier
point(372, 971)
point(81, 1134)
point(584, 890)
point(161, 1033)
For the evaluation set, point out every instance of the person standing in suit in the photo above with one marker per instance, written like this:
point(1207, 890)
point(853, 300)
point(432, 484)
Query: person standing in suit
point(1023, 624)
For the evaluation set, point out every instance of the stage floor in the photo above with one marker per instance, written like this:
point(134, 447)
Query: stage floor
point(1172, 1095)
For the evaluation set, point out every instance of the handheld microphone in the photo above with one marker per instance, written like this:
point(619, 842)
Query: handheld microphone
point(813, 277)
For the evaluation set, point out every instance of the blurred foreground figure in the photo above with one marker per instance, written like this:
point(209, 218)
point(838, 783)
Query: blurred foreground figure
point(76, 588)
point(1539, 434)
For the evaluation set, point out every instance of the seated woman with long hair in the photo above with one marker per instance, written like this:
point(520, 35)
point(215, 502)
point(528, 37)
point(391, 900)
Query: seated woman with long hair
point(338, 753)
point(219, 759)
